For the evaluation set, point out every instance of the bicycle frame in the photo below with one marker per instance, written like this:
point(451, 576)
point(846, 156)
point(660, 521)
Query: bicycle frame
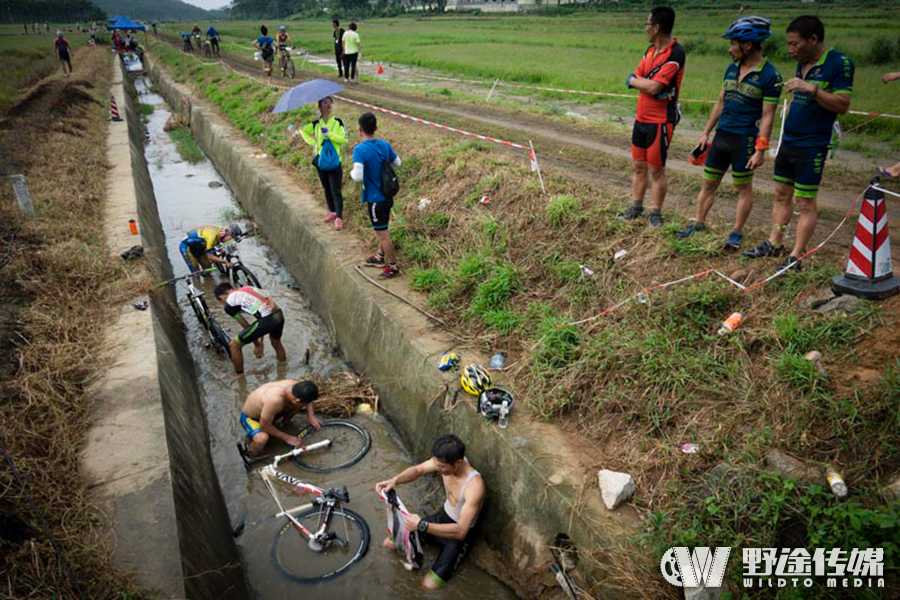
point(329, 498)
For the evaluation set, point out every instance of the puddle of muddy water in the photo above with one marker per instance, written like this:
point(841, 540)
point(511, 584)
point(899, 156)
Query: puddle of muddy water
point(185, 201)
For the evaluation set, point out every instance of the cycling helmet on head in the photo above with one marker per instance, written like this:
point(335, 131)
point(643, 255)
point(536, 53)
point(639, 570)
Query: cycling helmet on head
point(475, 379)
point(491, 401)
point(749, 29)
point(234, 230)
point(282, 28)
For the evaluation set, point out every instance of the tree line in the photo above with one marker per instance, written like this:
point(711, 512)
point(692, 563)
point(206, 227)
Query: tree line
point(50, 11)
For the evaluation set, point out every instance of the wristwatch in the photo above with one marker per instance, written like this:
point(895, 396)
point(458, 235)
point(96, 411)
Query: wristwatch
point(422, 526)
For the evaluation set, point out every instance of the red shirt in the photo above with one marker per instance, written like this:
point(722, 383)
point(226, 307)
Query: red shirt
point(666, 67)
point(61, 44)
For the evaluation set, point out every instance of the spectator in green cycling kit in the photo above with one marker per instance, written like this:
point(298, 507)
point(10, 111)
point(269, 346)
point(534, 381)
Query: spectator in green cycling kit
point(822, 89)
point(331, 129)
point(350, 52)
point(269, 321)
point(450, 528)
point(743, 116)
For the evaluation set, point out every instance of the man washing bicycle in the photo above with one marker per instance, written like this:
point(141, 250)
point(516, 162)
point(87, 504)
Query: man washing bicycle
point(276, 401)
point(269, 321)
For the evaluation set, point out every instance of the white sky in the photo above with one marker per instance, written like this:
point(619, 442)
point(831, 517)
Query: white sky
point(208, 4)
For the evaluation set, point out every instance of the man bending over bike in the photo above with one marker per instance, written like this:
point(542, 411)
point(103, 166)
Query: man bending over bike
point(269, 321)
point(198, 245)
point(451, 527)
point(278, 400)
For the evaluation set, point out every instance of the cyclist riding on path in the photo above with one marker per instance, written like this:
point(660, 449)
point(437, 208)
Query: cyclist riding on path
point(196, 30)
point(266, 47)
point(269, 321)
point(213, 36)
point(658, 79)
point(198, 245)
point(822, 88)
point(63, 51)
point(742, 116)
point(283, 38)
point(451, 527)
point(277, 400)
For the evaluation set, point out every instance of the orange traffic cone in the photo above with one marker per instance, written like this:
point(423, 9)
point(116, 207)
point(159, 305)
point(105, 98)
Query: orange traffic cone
point(869, 273)
point(113, 110)
point(380, 69)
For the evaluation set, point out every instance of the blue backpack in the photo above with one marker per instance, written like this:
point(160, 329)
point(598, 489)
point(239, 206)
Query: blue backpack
point(328, 157)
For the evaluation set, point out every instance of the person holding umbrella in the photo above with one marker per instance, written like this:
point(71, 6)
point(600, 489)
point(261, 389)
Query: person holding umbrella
point(327, 134)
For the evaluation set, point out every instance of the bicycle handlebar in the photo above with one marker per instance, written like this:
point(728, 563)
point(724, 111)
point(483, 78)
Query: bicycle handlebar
point(189, 275)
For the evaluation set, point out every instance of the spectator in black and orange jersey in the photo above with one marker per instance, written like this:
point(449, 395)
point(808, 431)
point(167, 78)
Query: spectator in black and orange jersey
point(658, 79)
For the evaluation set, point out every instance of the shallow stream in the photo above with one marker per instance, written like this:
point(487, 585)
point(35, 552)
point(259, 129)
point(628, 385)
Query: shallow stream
point(185, 201)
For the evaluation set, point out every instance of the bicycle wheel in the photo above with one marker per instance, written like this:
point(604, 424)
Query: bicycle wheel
point(200, 309)
point(242, 276)
point(292, 555)
point(220, 339)
point(290, 68)
point(349, 443)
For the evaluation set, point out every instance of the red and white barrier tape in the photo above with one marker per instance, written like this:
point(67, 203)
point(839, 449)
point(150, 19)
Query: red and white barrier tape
point(401, 115)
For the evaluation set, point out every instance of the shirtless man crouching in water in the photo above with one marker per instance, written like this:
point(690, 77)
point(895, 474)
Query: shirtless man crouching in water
point(451, 527)
point(272, 401)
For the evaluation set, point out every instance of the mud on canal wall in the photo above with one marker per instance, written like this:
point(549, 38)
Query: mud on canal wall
point(209, 559)
point(533, 494)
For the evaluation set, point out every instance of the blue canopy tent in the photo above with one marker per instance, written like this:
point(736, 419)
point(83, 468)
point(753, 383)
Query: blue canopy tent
point(120, 22)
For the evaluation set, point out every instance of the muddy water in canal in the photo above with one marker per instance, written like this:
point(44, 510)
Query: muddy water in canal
point(185, 201)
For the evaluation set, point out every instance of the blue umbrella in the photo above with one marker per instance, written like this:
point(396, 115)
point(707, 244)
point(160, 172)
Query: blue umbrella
point(306, 93)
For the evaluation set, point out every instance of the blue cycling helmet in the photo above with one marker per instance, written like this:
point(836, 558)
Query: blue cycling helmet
point(749, 29)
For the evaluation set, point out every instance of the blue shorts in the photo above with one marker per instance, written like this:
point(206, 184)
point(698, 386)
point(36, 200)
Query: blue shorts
point(730, 150)
point(801, 168)
point(250, 425)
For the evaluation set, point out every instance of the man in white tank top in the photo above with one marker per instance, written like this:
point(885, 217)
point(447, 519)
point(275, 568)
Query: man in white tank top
point(450, 528)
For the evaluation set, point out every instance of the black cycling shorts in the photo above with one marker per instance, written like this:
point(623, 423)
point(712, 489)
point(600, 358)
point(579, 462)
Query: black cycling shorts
point(730, 150)
point(272, 325)
point(452, 550)
point(268, 56)
point(380, 214)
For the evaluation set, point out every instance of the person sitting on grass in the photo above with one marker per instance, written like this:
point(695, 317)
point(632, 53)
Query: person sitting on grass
point(368, 157)
point(269, 321)
point(451, 527)
point(275, 401)
point(266, 46)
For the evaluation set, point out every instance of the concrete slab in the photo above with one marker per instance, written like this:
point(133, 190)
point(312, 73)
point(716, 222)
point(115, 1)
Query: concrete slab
point(126, 460)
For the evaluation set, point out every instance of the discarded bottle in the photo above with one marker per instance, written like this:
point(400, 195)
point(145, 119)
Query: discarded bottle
point(642, 298)
point(504, 415)
point(498, 360)
point(586, 270)
point(423, 203)
point(733, 321)
point(838, 487)
point(620, 254)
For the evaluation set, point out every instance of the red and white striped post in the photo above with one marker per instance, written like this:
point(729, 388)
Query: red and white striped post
point(113, 110)
point(869, 273)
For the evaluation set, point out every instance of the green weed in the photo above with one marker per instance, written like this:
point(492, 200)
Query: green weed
point(561, 209)
point(426, 280)
point(495, 292)
point(186, 145)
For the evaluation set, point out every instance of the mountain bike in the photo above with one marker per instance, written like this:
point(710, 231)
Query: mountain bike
point(197, 42)
point(321, 539)
point(285, 62)
point(347, 443)
point(235, 269)
point(186, 44)
point(218, 337)
point(211, 47)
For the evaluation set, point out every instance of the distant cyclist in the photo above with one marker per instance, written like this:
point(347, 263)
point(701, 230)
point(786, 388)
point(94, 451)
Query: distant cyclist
point(269, 321)
point(282, 39)
point(186, 44)
point(63, 50)
point(266, 47)
point(198, 245)
point(213, 37)
point(742, 116)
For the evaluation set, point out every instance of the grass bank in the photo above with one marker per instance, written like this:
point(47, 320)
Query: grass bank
point(637, 383)
point(57, 286)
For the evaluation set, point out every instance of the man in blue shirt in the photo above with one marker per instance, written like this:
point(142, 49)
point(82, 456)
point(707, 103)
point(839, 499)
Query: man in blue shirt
point(368, 158)
point(213, 37)
point(822, 89)
point(743, 117)
point(266, 47)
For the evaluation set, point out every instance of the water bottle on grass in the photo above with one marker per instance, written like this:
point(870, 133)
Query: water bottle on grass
point(504, 415)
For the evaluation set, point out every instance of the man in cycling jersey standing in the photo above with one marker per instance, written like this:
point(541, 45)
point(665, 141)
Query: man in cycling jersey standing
point(63, 49)
point(658, 79)
point(269, 321)
point(266, 46)
point(198, 245)
point(277, 400)
point(451, 527)
point(743, 116)
point(821, 89)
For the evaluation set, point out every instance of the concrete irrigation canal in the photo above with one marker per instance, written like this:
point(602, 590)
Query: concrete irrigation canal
point(203, 526)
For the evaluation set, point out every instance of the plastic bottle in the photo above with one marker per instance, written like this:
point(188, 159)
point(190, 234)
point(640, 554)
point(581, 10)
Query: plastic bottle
point(498, 360)
point(504, 415)
point(733, 321)
point(838, 487)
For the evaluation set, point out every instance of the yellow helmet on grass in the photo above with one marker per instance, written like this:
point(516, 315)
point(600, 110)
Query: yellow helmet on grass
point(475, 379)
